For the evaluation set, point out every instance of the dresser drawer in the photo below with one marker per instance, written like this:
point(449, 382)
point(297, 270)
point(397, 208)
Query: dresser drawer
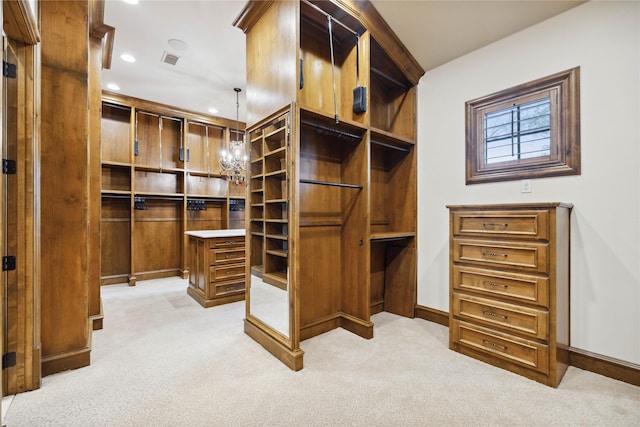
point(523, 256)
point(507, 347)
point(516, 319)
point(515, 286)
point(531, 224)
point(226, 242)
point(226, 256)
point(226, 272)
point(229, 288)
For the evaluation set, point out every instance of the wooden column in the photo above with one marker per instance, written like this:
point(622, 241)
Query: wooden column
point(65, 185)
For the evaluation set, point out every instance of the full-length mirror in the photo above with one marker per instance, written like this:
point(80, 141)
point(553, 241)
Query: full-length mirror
point(268, 224)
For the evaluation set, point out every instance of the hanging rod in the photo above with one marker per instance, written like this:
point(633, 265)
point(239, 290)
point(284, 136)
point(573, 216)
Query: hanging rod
point(330, 184)
point(388, 77)
point(160, 197)
point(118, 106)
point(115, 196)
point(328, 15)
point(394, 147)
point(330, 129)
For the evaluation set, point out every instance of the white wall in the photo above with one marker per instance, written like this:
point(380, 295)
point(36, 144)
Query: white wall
point(603, 38)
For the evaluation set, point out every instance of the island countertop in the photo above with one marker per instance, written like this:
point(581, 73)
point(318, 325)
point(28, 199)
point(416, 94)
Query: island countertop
point(209, 234)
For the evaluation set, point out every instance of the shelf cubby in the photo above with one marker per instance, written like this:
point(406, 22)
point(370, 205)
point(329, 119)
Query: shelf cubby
point(116, 133)
point(392, 96)
point(116, 178)
point(158, 182)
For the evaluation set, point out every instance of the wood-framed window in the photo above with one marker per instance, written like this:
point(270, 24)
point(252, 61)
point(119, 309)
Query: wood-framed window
point(528, 131)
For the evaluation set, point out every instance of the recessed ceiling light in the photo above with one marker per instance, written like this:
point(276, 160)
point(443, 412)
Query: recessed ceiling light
point(213, 110)
point(127, 57)
point(131, 1)
point(113, 86)
point(178, 44)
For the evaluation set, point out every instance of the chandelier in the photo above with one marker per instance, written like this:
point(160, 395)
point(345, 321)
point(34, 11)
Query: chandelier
point(234, 161)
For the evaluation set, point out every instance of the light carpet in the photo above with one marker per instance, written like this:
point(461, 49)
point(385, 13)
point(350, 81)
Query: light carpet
point(163, 360)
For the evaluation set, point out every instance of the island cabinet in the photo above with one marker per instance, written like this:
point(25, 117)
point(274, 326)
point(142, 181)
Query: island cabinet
point(216, 266)
point(331, 125)
point(160, 177)
point(509, 287)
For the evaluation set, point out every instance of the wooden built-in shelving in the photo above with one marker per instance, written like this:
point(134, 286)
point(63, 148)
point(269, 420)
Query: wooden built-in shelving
point(349, 203)
point(156, 161)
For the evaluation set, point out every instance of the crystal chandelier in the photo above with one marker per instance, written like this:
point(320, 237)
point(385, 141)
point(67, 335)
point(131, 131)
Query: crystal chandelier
point(234, 161)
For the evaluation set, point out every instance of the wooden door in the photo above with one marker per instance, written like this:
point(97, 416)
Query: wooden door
point(9, 221)
point(3, 225)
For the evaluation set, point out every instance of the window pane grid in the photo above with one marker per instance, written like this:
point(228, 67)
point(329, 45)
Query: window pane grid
point(521, 131)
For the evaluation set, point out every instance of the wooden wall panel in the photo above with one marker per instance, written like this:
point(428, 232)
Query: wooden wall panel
point(64, 185)
point(157, 237)
point(95, 172)
point(271, 83)
point(116, 237)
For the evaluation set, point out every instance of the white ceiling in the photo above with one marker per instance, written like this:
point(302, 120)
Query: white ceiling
point(214, 63)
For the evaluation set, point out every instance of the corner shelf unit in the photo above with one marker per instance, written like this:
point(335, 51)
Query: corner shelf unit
point(160, 178)
point(269, 219)
point(351, 191)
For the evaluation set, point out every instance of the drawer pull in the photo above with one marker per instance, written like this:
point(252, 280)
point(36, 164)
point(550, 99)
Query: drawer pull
point(494, 345)
point(493, 254)
point(228, 256)
point(230, 288)
point(230, 242)
point(494, 224)
point(495, 285)
point(492, 314)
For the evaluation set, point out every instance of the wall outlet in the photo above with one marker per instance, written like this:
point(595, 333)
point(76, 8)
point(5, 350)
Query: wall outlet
point(525, 186)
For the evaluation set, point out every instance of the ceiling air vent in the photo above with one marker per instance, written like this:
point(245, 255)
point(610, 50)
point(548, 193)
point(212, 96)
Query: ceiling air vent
point(169, 58)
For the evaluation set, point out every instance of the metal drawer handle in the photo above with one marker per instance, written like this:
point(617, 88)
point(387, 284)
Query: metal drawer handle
point(495, 285)
point(230, 242)
point(494, 345)
point(492, 314)
point(493, 254)
point(230, 288)
point(228, 256)
point(494, 224)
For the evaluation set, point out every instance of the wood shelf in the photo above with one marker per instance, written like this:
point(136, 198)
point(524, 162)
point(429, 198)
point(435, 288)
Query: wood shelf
point(392, 236)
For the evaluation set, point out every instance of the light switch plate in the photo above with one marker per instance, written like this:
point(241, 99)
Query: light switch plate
point(525, 186)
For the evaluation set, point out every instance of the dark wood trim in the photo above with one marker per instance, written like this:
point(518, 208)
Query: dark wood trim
point(606, 366)
point(293, 359)
point(96, 319)
point(168, 110)
point(565, 130)
point(250, 14)
point(582, 359)
point(20, 22)
point(432, 315)
point(65, 361)
point(101, 31)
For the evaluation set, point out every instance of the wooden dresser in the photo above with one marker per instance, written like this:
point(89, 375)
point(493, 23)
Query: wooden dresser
point(216, 266)
point(509, 286)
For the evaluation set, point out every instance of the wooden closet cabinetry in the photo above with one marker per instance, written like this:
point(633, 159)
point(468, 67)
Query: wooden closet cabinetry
point(333, 187)
point(509, 287)
point(160, 178)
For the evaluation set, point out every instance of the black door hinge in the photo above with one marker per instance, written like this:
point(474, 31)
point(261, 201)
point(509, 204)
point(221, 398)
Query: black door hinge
point(8, 360)
point(8, 167)
point(9, 70)
point(8, 263)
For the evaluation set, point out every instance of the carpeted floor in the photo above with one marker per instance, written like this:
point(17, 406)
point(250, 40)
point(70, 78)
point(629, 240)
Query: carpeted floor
point(163, 360)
